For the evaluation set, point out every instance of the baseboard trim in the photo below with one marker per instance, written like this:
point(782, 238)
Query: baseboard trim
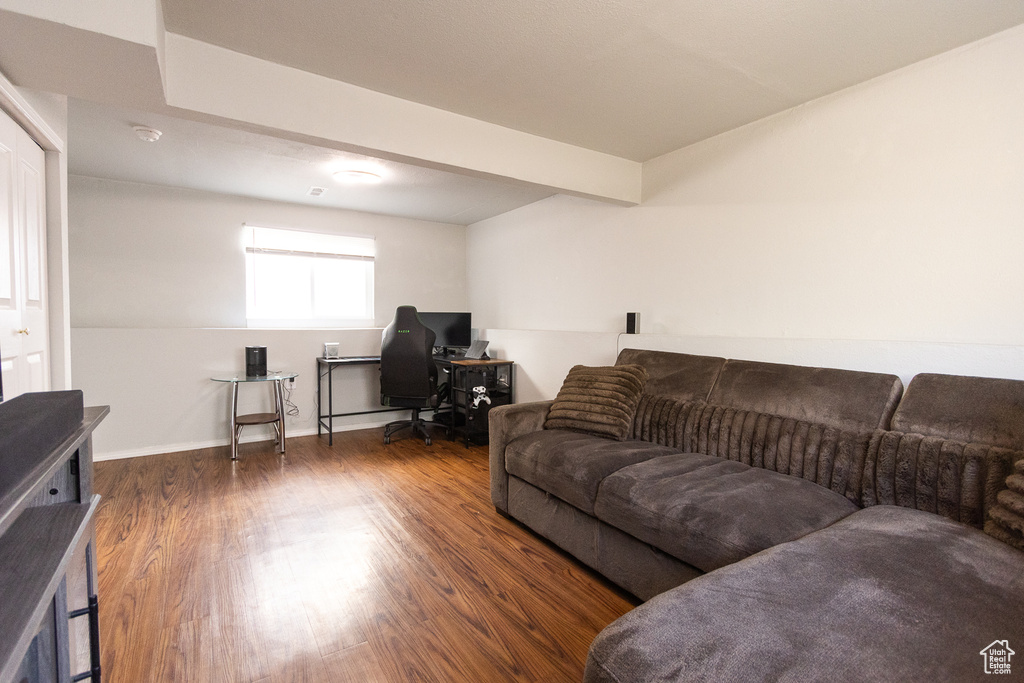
point(216, 443)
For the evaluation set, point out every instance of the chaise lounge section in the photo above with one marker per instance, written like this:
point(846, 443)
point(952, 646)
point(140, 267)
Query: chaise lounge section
point(793, 522)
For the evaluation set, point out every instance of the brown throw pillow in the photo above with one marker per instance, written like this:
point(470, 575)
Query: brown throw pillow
point(598, 400)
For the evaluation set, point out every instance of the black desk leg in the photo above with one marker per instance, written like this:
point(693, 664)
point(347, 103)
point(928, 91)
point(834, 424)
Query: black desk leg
point(330, 405)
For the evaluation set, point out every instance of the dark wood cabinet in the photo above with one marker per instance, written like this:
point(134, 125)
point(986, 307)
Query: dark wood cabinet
point(49, 620)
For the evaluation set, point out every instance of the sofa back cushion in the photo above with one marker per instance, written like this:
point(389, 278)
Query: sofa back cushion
point(677, 375)
point(968, 409)
point(845, 399)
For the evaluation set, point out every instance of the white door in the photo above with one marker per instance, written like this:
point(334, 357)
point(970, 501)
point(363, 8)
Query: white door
point(24, 338)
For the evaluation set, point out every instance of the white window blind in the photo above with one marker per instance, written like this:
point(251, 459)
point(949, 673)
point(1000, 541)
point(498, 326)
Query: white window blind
point(310, 279)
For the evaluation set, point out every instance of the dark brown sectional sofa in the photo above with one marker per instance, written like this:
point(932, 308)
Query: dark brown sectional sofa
point(787, 522)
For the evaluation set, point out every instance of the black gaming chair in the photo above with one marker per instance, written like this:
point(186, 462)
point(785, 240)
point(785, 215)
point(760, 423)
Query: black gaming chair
point(408, 375)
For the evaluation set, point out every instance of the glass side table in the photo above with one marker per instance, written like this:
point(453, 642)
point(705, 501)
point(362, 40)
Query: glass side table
point(276, 418)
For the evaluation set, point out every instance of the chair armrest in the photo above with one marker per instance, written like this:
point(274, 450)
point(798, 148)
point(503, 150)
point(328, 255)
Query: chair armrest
point(506, 423)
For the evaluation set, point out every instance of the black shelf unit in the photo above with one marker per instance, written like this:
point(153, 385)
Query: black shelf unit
point(497, 379)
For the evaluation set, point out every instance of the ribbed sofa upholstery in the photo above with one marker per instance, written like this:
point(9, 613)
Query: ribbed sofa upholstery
point(823, 454)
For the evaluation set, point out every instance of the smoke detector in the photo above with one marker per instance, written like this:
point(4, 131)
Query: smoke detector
point(147, 134)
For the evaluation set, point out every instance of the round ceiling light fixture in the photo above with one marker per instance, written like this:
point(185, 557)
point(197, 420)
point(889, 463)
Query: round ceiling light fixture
point(147, 134)
point(357, 175)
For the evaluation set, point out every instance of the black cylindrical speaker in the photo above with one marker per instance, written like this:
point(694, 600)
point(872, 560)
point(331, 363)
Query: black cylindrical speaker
point(632, 323)
point(256, 361)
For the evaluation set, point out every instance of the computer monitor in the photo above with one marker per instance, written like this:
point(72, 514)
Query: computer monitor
point(452, 329)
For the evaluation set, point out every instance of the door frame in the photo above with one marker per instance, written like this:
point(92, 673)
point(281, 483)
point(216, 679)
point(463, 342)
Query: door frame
point(14, 104)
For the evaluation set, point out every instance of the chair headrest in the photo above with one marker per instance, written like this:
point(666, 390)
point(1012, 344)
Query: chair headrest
point(406, 316)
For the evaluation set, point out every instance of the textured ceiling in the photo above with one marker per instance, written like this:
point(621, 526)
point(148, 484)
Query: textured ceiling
point(200, 156)
point(632, 78)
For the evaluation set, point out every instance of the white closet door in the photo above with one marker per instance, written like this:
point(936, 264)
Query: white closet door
point(24, 338)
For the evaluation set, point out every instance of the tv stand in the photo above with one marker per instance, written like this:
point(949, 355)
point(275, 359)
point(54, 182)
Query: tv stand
point(48, 595)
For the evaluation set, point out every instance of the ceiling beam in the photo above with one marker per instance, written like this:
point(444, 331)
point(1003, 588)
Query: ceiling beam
point(212, 80)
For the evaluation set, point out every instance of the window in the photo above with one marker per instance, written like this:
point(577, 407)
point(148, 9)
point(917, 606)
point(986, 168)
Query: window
point(308, 279)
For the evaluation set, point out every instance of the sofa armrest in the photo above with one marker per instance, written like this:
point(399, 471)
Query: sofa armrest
point(506, 423)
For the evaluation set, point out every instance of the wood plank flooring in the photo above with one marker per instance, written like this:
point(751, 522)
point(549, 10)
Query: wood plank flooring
point(356, 562)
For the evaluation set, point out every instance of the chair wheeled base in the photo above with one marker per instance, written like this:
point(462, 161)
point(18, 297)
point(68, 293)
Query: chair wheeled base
point(418, 425)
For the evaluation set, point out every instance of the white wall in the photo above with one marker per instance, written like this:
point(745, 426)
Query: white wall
point(543, 358)
point(891, 211)
point(158, 290)
point(148, 256)
point(157, 384)
point(884, 221)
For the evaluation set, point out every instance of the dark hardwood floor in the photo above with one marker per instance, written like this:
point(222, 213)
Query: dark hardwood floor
point(354, 563)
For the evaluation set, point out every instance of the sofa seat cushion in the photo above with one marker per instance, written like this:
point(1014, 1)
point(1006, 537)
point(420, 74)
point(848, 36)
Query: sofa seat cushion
point(888, 593)
point(711, 512)
point(571, 465)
